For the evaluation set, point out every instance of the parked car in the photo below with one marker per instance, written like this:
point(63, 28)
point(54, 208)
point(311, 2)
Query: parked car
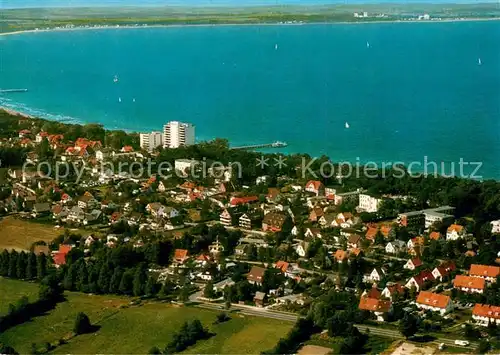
point(462, 342)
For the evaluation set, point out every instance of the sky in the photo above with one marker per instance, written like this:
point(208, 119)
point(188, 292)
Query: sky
point(92, 3)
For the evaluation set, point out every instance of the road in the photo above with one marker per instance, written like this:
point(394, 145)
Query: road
point(290, 317)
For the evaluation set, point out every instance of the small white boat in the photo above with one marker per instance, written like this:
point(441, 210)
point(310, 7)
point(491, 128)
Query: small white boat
point(479, 62)
point(346, 125)
point(115, 79)
point(133, 100)
point(119, 99)
point(367, 44)
point(276, 47)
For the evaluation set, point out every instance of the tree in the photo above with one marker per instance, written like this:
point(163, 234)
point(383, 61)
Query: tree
point(82, 324)
point(21, 265)
point(50, 290)
point(5, 349)
point(208, 291)
point(70, 277)
point(408, 325)
point(154, 351)
point(114, 283)
point(151, 287)
point(140, 278)
point(31, 266)
point(12, 271)
point(126, 283)
point(41, 266)
point(484, 347)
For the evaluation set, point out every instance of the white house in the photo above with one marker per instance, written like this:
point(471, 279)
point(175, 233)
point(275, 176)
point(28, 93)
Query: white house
point(301, 249)
point(412, 264)
point(484, 314)
point(316, 187)
point(185, 166)
point(455, 231)
point(376, 275)
point(495, 226)
point(434, 302)
point(312, 233)
point(395, 247)
point(368, 203)
point(392, 289)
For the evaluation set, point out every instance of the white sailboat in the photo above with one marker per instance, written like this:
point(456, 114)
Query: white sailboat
point(119, 99)
point(367, 44)
point(346, 125)
point(115, 79)
point(479, 62)
point(133, 100)
point(276, 47)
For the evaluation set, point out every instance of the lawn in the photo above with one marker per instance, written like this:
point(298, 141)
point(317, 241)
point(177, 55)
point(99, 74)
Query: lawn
point(13, 290)
point(374, 345)
point(19, 234)
point(135, 329)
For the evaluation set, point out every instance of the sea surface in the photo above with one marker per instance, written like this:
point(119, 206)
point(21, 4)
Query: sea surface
point(407, 90)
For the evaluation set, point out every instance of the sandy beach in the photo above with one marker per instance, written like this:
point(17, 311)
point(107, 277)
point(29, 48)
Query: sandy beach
point(14, 112)
point(244, 24)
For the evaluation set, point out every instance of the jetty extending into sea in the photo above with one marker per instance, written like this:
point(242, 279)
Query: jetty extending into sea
point(276, 144)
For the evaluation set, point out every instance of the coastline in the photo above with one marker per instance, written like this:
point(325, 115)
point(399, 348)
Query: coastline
point(116, 27)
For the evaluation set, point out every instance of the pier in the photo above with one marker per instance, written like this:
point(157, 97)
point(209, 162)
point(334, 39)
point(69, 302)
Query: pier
point(276, 144)
point(5, 91)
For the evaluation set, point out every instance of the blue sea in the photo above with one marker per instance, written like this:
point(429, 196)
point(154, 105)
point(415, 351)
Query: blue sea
point(407, 90)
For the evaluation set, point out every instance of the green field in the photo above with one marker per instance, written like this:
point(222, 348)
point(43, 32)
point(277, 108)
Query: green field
point(13, 290)
point(135, 329)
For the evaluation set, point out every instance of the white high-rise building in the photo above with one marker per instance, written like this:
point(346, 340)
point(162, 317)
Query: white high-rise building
point(150, 141)
point(176, 134)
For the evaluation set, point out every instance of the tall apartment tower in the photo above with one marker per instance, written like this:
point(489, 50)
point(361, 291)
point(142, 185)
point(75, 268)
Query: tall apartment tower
point(150, 141)
point(177, 134)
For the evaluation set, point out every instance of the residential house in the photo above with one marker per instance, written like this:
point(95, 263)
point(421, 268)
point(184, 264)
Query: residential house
point(455, 231)
point(94, 217)
point(387, 231)
point(418, 281)
point(249, 220)
point(87, 201)
point(341, 256)
point(443, 270)
point(272, 194)
point(76, 214)
point(256, 275)
point(259, 299)
point(434, 302)
point(391, 289)
point(376, 275)
point(316, 214)
point(373, 292)
point(41, 209)
point(340, 198)
point(316, 187)
point(236, 201)
point(327, 220)
point(489, 273)
point(435, 236)
point(276, 222)
point(412, 264)
point(89, 241)
point(469, 284)
point(371, 234)
point(395, 247)
point(301, 249)
point(215, 248)
point(241, 250)
point(227, 217)
point(354, 241)
point(495, 227)
point(416, 245)
point(380, 308)
point(368, 203)
point(312, 233)
point(59, 257)
point(484, 314)
point(181, 256)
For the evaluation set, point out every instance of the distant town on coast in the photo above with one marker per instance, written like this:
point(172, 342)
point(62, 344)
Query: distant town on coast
point(287, 182)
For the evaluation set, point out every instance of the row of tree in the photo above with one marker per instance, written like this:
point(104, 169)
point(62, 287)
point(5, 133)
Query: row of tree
point(23, 265)
point(187, 335)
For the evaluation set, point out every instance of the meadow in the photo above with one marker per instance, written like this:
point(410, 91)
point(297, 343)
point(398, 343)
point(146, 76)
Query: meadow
point(127, 329)
point(20, 234)
point(12, 290)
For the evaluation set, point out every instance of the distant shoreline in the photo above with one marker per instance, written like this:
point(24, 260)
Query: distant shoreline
point(116, 27)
